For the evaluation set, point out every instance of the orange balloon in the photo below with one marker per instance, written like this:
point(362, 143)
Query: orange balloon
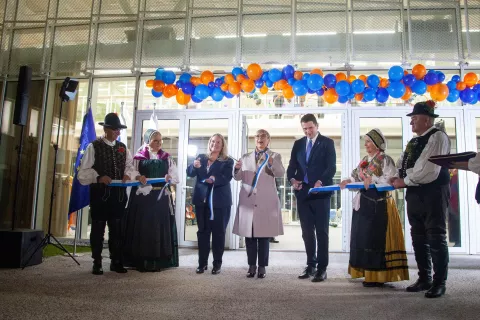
point(183, 98)
point(234, 88)
point(207, 77)
point(407, 94)
point(363, 78)
point(282, 84)
point(149, 83)
point(264, 89)
point(429, 88)
point(288, 92)
point(405, 72)
point(359, 96)
point(316, 71)
point(275, 86)
point(384, 83)
point(419, 71)
point(229, 78)
point(195, 81)
point(351, 78)
point(330, 96)
point(340, 76)
point(470, 79)
point(170, 90)
point(254, 71)
point(439, 92)
point(298, 75)
point(158, 85)
point(248, 85)
point(224, 86)
point(461, 85)
point(241, 78)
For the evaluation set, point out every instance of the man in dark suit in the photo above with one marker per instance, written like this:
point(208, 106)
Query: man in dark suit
point(312, 164)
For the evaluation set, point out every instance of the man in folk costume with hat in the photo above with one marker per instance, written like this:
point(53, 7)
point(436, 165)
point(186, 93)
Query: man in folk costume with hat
point(427, 196)
point(107, 159)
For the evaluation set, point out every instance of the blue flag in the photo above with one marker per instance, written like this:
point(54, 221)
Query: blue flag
point(80, 196)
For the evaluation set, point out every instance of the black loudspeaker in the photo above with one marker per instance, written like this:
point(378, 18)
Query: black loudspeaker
point(23, 92)
point(16, 247)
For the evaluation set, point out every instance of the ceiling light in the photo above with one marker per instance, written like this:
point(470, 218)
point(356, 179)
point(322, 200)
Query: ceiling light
point(374, 32)
point(255, 35)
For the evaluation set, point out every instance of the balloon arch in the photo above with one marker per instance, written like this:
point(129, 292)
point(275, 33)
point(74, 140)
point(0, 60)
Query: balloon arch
point(332, 87)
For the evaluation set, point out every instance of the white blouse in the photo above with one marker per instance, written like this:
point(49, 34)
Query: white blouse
point(474, 164)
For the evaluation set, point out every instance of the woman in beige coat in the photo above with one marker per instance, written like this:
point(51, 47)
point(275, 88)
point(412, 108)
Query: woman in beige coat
point(258, 215)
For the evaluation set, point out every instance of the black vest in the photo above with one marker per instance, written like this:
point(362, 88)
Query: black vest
point(477, 192)
point(109, 161)
point(413, 151)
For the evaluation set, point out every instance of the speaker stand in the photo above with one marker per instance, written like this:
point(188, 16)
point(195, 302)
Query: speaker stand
point(49, 236)
point(17, 182)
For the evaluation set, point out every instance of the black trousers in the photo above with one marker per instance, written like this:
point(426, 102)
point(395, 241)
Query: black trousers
point(427, 209)
point(114, 240)
point(214, 228)
point(314, 219)
point(257, 247)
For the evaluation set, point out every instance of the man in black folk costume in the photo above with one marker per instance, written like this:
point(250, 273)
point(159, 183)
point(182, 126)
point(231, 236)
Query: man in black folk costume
point(107, 159)
point(427, 196)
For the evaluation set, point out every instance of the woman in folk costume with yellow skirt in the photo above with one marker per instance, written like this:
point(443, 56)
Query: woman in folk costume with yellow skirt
point(377, 246)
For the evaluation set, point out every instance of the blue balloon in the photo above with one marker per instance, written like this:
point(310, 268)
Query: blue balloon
point(342, 88)
point(369, 94)
point(268, 83)
point(440, 76)
point(409, 80)
point(467, 95)
point(168, 77)
point(185, 77)
point(211, 84)
point(229, 95)
point(395, 73)
point(156, 94)
point(475, 99)
point(288, 72)
point(330, 80)
point(236, 71)
point(196, 99)
point(373, 81)
point(431, 71)
point(291, 81)
point(453, 95)
point(358, 86)
point(306, 76)
point(265, 76)
point(274, 75)
point(431, 78)
point(310, 91)
point(342, 99)
point(188, 88)
point(452, 85)
point(259, 83)
point(351, 95)
point(320, 92)
point(179, 84)
point(201, 92)
point(476, 88)
point(210, 91)
point(300, 88)
point(159, 73)
point(396, 89)
point(315, 82)
point(218, 82)
point(419, 87)
point(217, 94)
point(382, 95)
point(456, 78)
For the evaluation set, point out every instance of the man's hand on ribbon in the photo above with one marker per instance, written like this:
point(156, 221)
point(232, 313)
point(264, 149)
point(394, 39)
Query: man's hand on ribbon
point(105, 180)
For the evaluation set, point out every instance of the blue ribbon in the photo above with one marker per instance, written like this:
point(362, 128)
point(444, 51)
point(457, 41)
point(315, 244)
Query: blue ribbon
point(210, 200)
point(163, 189)
point(257, 174)
point(119, 183)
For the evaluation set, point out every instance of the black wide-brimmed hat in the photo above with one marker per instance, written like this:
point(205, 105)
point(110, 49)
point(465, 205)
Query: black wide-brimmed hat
point(425, 107)
point(112, 121)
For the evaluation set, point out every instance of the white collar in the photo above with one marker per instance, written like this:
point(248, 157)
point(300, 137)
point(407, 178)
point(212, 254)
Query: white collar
point(109, 143)
point(314, 138)
point(430, 129)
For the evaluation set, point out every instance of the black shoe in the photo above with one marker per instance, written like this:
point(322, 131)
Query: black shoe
point(201, 269)
point(262, 273)
point(309, 271)
point(251, 271)
point(437, 290)
point(372, 284)
point(273, 240)
point(97, 269)
point(419, 285)
point(320, 275)
point(117, 267)
point(216, 270)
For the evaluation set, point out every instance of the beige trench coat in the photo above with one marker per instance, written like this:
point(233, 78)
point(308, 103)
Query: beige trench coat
point(259, 215)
